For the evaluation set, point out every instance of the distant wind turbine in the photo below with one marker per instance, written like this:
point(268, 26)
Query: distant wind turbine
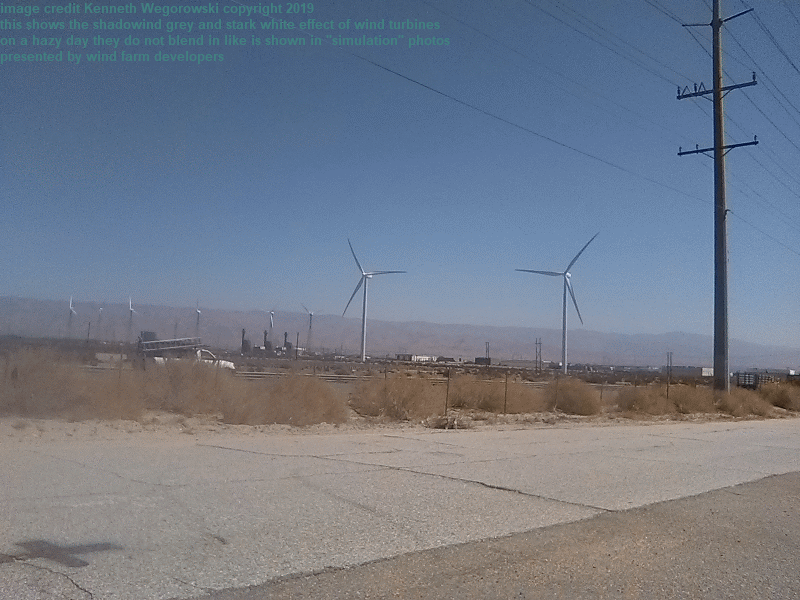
point(365, 277)
point(69, 318)
point(99, 322)
point(197, 322)
point(131, 312)
point(271, 325)
point(567, 287)
point(310, 320)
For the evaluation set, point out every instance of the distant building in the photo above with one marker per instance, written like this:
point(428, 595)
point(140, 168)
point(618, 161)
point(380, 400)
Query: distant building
point(418, 358)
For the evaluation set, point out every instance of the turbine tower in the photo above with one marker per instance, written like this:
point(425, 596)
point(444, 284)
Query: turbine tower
point(271, 325)
point(310, 319)
point(197, 322)
point(365, 277)
point(567, 287)
point(131, 312)
point(69, 318)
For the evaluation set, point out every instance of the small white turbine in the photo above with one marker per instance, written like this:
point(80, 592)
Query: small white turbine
point(271, 325)
point(365, 277)
point(567, 287)
point(197, 322)
point(69, 318)
point(131, 312)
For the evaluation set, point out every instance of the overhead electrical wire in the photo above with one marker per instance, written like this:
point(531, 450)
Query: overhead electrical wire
point(629, 58)
point(561, 75)
point(555, 141)
point(772, 39)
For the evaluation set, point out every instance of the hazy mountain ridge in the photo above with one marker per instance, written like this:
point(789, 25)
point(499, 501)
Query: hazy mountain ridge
point(220, 328)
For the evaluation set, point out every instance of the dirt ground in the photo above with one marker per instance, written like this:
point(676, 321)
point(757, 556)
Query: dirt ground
point(163, 425)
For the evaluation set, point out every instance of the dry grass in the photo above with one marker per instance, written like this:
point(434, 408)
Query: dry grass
point(293, 400)
point(523, 399)
point(685, 399)
point(573, 396)
point(398, 399)
point(467, 391)
point(40, 384)
point(401, 398)
point(645, 399)
point(783, 395)
point(742, 403)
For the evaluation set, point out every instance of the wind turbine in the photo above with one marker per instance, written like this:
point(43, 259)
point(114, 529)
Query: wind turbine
point(131, 312)
point(310, 320)
point(365, 277)
point(69, 318)
point(567, 287)
point(197, 322)
point(271, 325)
point(99, 321)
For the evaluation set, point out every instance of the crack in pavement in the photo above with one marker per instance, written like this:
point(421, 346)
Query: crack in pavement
point(22, 560)
point(337, 458)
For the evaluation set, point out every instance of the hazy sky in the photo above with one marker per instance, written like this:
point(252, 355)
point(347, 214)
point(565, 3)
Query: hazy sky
point(239, 182)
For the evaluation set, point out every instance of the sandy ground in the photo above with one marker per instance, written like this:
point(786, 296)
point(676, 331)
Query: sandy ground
point(164, 425)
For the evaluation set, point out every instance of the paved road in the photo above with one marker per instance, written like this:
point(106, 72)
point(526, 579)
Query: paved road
point(144, 516)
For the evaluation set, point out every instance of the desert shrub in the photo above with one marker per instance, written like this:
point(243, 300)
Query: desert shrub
point(525, 399)
point(782, 395)
point(467, 391)
point(40, 383)
point(741, 403)
point(398, 398)
point(573, 396)
point(292, 400)
point(646, 399)
point(691, 399)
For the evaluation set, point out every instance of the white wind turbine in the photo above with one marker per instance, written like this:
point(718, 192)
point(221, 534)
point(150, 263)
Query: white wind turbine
point(131, 312)
point(567, 287)
point(310, 320)
point(69, 318)
point(197, 322)
point(271, 325)
point(365, 277)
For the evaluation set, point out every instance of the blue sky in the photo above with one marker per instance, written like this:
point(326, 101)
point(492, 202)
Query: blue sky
point(239, 183)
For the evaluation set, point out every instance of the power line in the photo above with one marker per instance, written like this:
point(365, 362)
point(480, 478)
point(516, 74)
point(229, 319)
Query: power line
point(764, 233)
point(561, 75)
point(772, 38)
point(615, 51)
point(530, 131)
point(791, 12)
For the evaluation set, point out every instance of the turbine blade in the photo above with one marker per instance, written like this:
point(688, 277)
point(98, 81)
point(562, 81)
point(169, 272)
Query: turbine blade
point(551, 273)
point(581, 252)
point(572, 295)
point(384, 272)
point(354, 256)
point(355, 291)
point(304, 308)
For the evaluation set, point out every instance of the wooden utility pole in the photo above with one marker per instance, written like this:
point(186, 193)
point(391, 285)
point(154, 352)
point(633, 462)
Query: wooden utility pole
point(721, 363)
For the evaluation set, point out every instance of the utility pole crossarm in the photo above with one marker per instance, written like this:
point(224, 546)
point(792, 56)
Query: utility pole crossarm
point(725, 148)
point(683, 94)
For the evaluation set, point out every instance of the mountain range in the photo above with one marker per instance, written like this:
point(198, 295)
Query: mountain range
point(223, 329)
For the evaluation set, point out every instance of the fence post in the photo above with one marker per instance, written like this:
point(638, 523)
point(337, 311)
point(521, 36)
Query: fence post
point(447, 393)
point(505, 398)
point(555, 402)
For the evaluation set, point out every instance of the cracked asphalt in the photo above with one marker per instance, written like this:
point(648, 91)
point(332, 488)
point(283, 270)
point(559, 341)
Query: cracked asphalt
point(141, 515)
